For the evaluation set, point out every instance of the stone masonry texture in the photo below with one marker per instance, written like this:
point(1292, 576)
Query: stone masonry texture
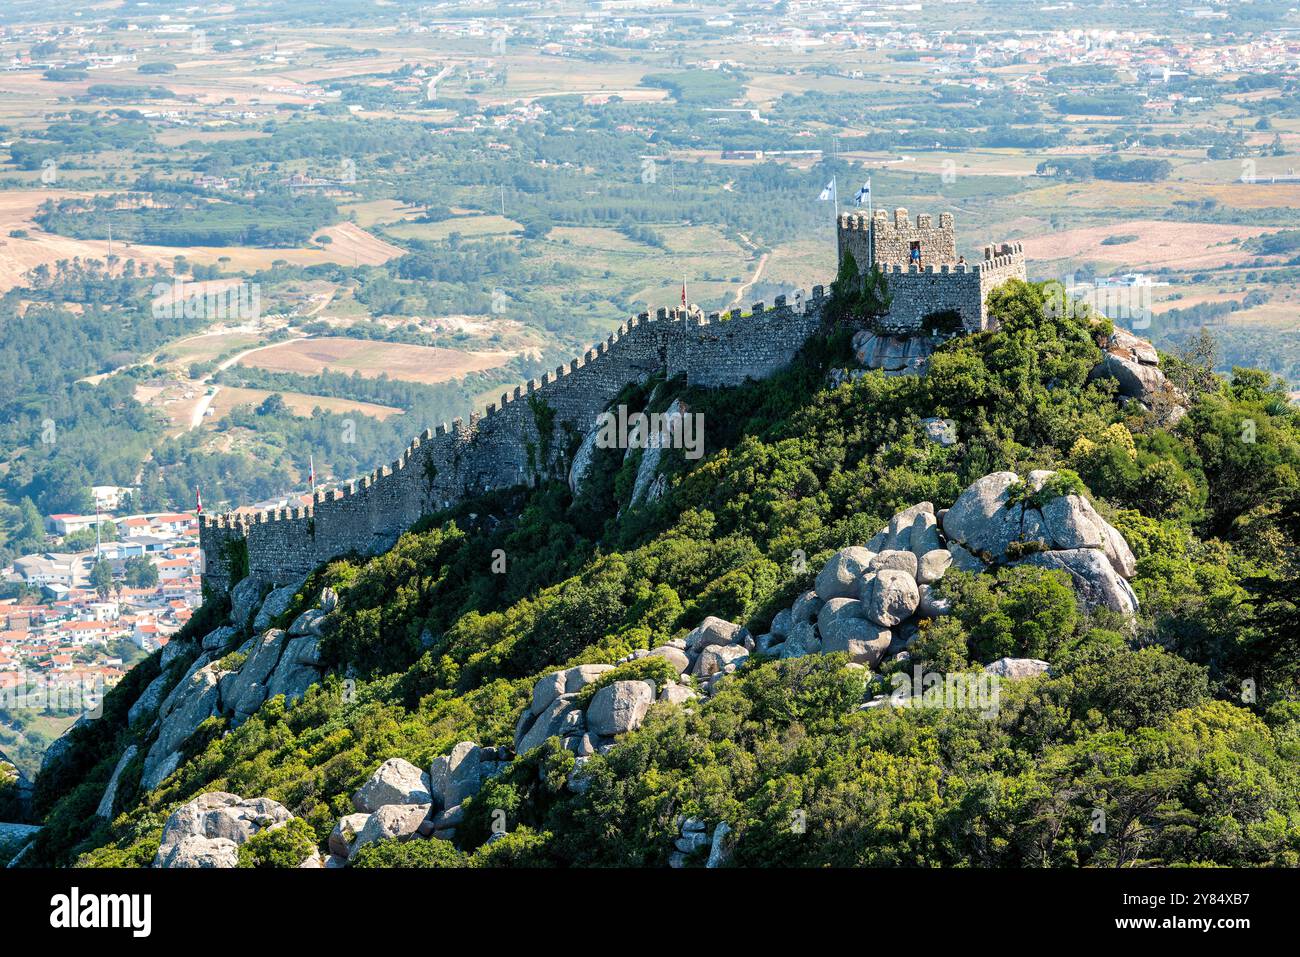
point(504, 448)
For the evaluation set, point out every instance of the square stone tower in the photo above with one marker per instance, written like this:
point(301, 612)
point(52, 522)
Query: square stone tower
point(894, 240)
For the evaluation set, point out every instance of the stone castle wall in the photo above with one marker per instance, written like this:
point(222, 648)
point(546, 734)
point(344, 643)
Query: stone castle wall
point(505, 448)
point(940, 283)
point(961, 288)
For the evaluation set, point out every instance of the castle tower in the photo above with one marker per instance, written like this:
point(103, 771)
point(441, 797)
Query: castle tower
point(894, 240)
point(928, 288)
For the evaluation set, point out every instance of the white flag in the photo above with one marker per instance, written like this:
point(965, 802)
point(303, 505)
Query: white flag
point(864, 193)
point(828, 193)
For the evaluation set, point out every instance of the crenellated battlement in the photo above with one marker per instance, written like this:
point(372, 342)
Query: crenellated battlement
point(503, 447)
point(884, 240)
point(925, 276)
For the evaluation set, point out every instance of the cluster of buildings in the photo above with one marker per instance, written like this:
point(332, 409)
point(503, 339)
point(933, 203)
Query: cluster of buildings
point(71, 635)
point(168, 540)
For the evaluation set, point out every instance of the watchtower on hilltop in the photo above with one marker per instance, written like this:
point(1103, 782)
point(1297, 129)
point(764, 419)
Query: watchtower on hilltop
point(513, 443)
point(929, 286)
point(895, 240)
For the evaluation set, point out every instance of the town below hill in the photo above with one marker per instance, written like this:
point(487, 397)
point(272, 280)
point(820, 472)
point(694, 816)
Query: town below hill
point(78, 614)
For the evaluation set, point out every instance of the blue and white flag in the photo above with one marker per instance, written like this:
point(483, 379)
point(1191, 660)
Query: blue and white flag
point(828, 193)
point(864, 193)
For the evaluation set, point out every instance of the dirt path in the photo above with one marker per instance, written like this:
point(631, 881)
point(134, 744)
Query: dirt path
point(758, 273)
point(201, 407)
point(225, 364)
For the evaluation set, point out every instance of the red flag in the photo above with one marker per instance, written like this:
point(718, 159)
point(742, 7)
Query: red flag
point(683, 292)
point(198, 502)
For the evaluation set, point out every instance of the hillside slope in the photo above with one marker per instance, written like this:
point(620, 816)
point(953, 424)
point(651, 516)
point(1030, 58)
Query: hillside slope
point(389, 699)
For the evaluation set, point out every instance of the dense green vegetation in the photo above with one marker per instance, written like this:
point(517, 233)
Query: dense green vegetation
point(176, 215)
point(712, 87)
point(1180, 729)
point(61, 435)
point(281, 847)
point(1107, 167)
point(11, 809)
point(82, 133)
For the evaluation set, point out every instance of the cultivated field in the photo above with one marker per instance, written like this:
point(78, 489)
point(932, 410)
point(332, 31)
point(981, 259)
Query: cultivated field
point(412, 363)
point(350, 245)
point(204, 348)
point(378, 212)
point(20, 254)
point(228, 397)
point(1159, 243)
point(468, 226)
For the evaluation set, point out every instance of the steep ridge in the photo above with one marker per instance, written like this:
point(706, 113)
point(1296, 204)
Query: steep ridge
point(841, 637)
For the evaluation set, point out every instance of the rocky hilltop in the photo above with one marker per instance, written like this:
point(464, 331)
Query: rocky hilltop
point(884, 620)
point(869, 602)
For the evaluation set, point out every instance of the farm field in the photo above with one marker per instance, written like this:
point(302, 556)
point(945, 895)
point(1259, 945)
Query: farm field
point(1106, 199)
point(468, 226)
point(1280, 312)
point(20, 254)
point(378, 212)
point(228, 397)
point(350, 245)
point(204, 348)
point(398, 361)
point(1158, 244)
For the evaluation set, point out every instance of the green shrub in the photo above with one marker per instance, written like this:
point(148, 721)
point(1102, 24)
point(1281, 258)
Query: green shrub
point(519, 848)
point(1063, 482)
point(232, 662)
point(409, 854)
point(286, 846)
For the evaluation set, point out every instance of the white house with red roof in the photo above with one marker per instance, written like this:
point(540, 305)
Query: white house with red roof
point(66, 524)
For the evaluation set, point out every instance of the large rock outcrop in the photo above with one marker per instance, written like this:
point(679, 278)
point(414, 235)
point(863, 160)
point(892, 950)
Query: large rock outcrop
point(401, 802)
point(868, 599)
point(582, 460)
point(894, 355)
point(109, 798)
point(396, 781)
point(619, 707)
point(647, 487)
point(208, 831)
point(1134, 364)
point(234, 686)
point(713, 648)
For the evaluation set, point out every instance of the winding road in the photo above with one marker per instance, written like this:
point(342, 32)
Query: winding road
point(758, 273)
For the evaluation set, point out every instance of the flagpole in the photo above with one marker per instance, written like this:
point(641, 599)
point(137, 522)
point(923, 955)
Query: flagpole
point(871, 252)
